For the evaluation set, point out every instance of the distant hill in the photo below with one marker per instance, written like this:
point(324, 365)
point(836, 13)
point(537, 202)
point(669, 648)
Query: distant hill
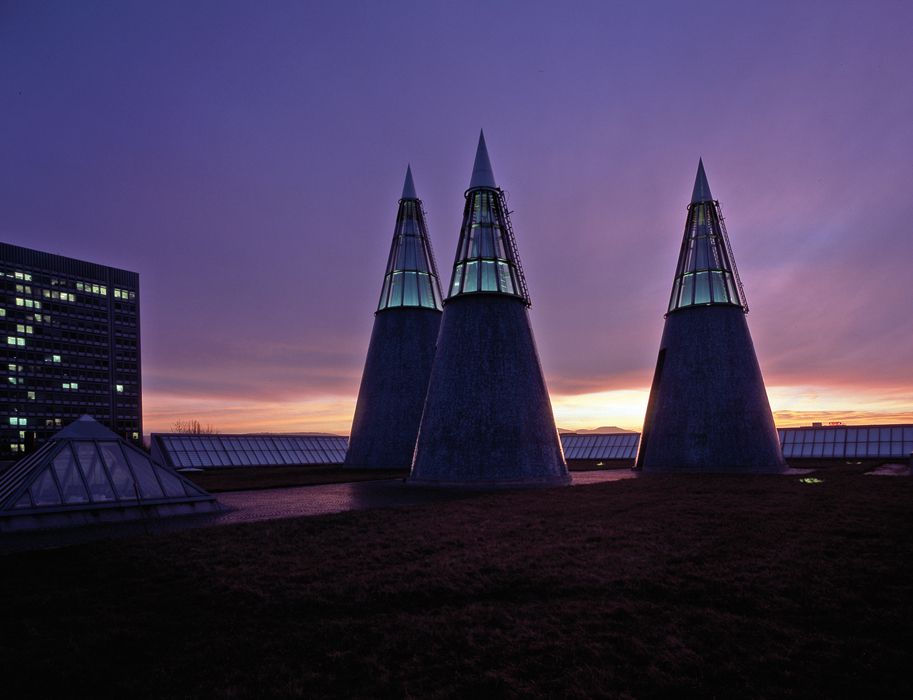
point(602, 430)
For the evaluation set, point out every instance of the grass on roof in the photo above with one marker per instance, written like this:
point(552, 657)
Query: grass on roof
point(249, 478)
point(681, 585)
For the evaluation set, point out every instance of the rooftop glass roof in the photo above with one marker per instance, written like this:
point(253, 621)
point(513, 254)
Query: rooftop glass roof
point(706, 273)
point(895, 441)
point(209, 451)
point(834, 442)
point(610, 446)
point(411, 279)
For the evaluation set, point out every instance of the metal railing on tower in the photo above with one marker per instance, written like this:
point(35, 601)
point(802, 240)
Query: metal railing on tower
point(515, 253)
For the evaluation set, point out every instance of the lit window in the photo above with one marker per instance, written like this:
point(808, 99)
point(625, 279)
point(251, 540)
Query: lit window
point(55, 358)
point(119, 388)
point(2, 312)
point(31, 395)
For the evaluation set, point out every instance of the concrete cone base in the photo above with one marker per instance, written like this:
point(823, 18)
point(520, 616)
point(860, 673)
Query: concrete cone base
point(487, 419)
point(708, 409)
point(393, 388)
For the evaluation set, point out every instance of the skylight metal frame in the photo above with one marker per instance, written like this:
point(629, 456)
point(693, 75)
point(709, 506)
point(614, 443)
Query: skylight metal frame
point(49, 453)
point(325, 449)
point(468, 260)
point(708, 239)
point(410, 210)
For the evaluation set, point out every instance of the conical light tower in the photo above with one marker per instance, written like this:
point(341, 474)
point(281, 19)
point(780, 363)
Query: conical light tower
point(401, 350)
point(488, 420)
point(708, 409)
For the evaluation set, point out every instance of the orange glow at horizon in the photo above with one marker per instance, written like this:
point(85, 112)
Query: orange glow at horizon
point(320, 414)
point(622, 408)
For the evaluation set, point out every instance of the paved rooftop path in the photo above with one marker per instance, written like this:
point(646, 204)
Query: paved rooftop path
point(298, 501)
point(272, 504)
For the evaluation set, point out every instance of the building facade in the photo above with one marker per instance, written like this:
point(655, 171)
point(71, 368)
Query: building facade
point(71, 346)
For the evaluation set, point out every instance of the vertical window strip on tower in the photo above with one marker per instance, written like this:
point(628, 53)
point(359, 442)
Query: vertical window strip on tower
point(485, 260)
point(706, 272)
point(411, 278)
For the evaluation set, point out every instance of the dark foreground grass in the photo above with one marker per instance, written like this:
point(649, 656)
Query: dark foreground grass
point(703, 586)
point(241, 479)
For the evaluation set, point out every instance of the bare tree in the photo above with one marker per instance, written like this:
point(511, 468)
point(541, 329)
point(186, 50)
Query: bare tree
point(192, 427)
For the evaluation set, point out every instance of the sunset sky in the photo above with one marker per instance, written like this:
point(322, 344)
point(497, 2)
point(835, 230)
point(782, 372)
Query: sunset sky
point(246, 159)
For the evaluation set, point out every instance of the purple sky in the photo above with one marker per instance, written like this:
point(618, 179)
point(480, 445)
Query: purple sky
point(246, 158)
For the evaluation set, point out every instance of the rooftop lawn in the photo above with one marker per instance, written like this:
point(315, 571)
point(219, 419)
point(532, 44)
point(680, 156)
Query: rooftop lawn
point(250, 478)
point(720, 586)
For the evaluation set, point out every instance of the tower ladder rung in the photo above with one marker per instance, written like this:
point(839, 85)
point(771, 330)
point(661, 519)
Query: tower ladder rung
point(514, 251)
point(735, 268)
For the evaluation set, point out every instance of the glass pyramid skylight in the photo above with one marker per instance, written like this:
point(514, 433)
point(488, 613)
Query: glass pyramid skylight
point(706, 272)
point(487, 260)
point(411, 278)
point(86, 467)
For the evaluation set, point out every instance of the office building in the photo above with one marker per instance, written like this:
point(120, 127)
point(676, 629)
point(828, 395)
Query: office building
point(70, 346)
